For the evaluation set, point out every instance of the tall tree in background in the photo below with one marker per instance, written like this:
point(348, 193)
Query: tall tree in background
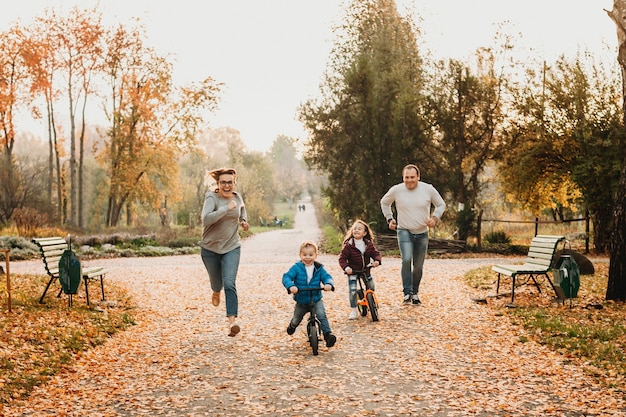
point(151, 123)
point(568, 127)
point(616, 288)
point(76, 40)
point(466, 111)
point(367, 124)
point(15, 82)
point(289, 172)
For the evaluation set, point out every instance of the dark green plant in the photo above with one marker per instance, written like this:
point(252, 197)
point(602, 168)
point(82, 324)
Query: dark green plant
point(465, 223)
point(497, 237)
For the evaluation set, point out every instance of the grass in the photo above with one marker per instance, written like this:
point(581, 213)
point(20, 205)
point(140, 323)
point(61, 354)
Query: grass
point(590, 330)
point(39, 340)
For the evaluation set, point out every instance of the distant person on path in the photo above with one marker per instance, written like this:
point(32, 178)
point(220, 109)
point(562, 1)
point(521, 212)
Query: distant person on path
point(413, 200)
point(308, 273)
point(358, 253)
point(222, 214)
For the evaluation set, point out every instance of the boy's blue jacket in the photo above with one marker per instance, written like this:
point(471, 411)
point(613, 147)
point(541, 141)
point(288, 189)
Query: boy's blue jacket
point(297, 276)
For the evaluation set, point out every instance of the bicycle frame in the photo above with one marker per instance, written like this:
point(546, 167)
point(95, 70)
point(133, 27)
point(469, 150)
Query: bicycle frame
point(367, 293)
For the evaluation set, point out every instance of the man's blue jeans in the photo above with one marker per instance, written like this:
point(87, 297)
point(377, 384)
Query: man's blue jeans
point(222, 269)
point(413, 248)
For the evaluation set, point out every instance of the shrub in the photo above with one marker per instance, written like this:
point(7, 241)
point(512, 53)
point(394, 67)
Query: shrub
point(497, 237)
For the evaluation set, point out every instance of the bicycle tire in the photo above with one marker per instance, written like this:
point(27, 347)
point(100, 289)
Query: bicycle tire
point(313, 336)
point(371, 301)
point(362, 309)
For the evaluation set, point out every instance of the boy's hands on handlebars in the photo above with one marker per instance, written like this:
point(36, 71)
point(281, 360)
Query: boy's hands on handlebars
point(328, 287)
point(293, 290)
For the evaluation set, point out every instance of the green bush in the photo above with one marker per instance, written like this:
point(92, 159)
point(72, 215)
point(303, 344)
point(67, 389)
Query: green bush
point(497, 237)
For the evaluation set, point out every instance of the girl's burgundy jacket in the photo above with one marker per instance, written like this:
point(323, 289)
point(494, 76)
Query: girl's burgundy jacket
point(351, 256)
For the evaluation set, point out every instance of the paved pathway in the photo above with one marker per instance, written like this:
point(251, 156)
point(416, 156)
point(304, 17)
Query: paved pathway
point(448, 357)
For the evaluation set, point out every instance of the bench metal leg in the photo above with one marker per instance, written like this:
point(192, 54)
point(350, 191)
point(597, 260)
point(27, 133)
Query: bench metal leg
point(86, 289)
point(102, 285)
point(513, 288)
point(498, 284)
point(46, 290)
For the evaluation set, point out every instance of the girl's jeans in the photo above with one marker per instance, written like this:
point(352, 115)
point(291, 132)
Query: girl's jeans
point(413, 249)
point(222, 269)
point(352, 286)
point(301, 309)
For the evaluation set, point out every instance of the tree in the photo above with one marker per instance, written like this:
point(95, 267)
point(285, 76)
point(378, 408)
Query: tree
point(616, 288)
point(14, 92)
point(76, 42)
point(289, 171)
point(367, 124)
point(151, 123)
point(568, 127)
point(466, 112)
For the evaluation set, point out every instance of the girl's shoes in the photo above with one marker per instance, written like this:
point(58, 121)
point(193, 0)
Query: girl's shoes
point(353, 315)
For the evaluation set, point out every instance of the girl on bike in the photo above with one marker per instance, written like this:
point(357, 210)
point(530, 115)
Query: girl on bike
point(358, 253)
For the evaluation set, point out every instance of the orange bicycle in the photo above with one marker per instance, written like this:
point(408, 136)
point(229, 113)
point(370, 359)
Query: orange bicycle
point(366, 297)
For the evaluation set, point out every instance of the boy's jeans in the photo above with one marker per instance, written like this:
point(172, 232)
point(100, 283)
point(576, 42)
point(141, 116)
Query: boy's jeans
point(413, 248)
point(301, 309)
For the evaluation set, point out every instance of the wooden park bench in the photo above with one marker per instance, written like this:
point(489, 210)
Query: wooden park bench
point(538, 262)
point(51, 249)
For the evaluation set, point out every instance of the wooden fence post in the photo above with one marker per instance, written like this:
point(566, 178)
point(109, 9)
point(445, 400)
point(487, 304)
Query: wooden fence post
point(8, 274)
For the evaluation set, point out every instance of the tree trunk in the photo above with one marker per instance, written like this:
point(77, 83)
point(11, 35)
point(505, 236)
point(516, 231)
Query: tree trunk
point(616, 288)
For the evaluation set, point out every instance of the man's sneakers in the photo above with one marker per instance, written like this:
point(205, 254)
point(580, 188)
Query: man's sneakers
point(353, 314)
point(330, 339)
point(407, 299)
point(290, 329)
point(411, 299)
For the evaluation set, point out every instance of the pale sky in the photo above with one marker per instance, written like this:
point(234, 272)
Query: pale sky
point(271, 54)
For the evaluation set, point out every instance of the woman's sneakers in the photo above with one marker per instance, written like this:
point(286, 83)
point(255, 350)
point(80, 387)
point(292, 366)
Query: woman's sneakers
point(353, 314)
point(234, 330)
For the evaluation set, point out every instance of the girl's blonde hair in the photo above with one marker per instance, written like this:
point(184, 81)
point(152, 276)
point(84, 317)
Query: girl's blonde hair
point(368, 231)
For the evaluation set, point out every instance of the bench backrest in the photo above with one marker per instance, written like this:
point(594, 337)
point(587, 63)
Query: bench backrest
point(51, 250)
point(542, 249)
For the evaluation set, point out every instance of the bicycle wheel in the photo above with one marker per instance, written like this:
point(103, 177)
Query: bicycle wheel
point(362, 309)
point(371, 301)
point(311, 330)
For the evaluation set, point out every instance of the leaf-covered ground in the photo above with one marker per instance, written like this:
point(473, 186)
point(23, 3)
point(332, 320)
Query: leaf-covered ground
point(448, 357)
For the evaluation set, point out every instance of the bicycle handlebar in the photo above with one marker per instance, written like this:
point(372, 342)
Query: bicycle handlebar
point(313, 289)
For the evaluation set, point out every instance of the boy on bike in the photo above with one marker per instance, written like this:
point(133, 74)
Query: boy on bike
point(358, 253)
point(307, 273)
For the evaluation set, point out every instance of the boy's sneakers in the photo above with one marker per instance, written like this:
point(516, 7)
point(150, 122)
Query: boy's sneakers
point(407, 299)
point(330, 339)
point(353, 315)
point(415, 300)
point(290, 329)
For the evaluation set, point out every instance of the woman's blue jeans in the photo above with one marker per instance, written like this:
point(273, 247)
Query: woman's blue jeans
point(222, 269)
point(413, 248)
